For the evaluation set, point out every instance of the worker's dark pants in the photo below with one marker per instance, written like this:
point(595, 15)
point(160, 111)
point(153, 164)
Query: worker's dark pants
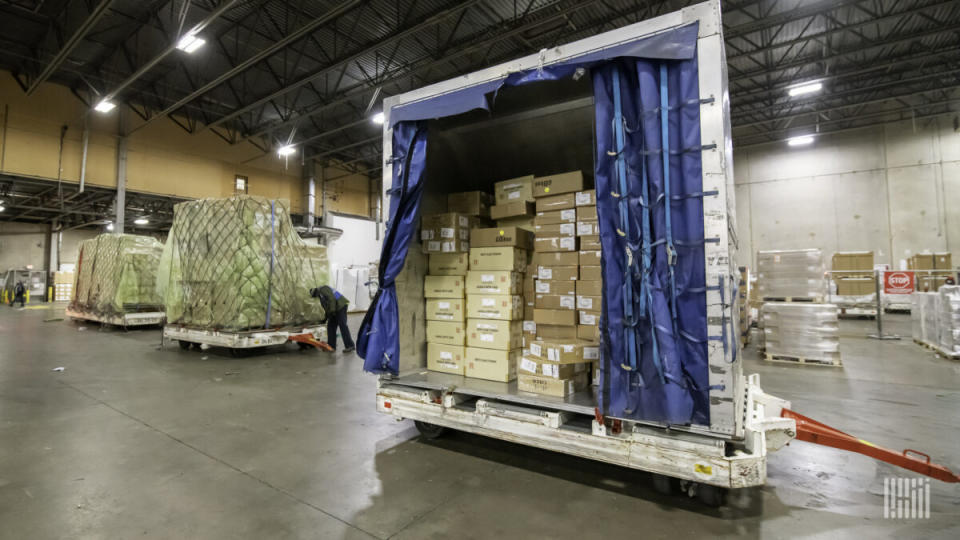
point(18, 298)
point(339, 319)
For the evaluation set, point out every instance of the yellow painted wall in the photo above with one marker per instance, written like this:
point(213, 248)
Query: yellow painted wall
point(347, 194)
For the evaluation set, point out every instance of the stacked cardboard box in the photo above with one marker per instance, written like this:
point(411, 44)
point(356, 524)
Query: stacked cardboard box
point(446, 233)
point(62, 286)
point(853, 273)
point(590, 280)
point(514, 205)
point(556, 367)
point(801, 332)
point(933, 269)
point(470, 203)
point(494, 289)
point(445, 312)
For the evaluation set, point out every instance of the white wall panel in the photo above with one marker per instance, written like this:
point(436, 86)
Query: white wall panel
point(914, 221)
point(744, 229)
point(951, 195)
point(793, 214)
point(860, 203)
point(907, 145)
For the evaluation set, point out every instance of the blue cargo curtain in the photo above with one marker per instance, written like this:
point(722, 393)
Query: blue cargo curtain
point(653, 327)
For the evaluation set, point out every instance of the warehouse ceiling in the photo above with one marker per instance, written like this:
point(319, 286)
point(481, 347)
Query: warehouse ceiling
point(313, 72)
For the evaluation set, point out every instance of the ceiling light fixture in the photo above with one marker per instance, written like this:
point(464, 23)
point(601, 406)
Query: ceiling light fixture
point(286, 150)
point(105, 106)
point(110, 226)
point(802, 140)
point(2, 208)
point(141, 221)
point(190, 43)
point(378, 118)
point(804, 89)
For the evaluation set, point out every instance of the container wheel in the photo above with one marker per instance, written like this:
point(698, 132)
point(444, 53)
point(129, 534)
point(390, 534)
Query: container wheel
point(711, 496)
point(198, 346)
point(429, 431)
point(185, 345)
point(667, 485)
point(305, 346)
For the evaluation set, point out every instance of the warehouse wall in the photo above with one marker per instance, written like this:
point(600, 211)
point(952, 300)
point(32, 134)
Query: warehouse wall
point(892, 189)
point(22, 244)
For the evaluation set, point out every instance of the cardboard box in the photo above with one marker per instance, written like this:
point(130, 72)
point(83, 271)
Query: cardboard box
point(539, 384)
point(492, 365)
point(589, 257)
point(497, 306)
point(554, 217)
point(498, 258)
point(562, 352)
point(555, 301)
point(515, 189)
point(591, 273)
point(943, 261)
point(558, 183)
point(445, 309)
point(501, 237)
point(446, 332)
point(588, 228)
point(539, 366)
point(446, 358)
point(590, 242)
point(512, 209)
point(854, 286)
point(556, 331)
point(858, 263)
point(494, 334)
point(588, 318)
point(552, 203)
point(557, 229)
point(587, 197)
point(589, 303)
point(589, 288)
point(589, 333)
point(470, 203)
point(443, 286)
point(555, 258)
point(921, 261)
point(445, 227)
point(555, 243)
point(445, 246)
point(529, 328)
point(557, 317)
point(448, 264)
point(528, 310)
point(524, 222)
point(493, 282)
point(547, 286)
point(586, 213)
point(558, 273)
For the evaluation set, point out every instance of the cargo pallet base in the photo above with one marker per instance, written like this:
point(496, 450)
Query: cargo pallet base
point(805, 299)
point(572, 426)
point(829, 361)
point(869, 313)
point(145, 318)
point(249, 339)
point(937, 349)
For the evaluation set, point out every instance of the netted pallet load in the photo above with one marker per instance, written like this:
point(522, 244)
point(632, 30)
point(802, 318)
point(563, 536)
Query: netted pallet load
point(948, 320)
point(791, 275)
point(801, 332)
point(116, 274)
point(237, 264)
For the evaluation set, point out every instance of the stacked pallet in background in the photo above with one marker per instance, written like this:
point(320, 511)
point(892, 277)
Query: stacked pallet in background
point(446, 312)
point(935, 318)
point(855, 283)
point(62, 286)
point(803, 333)
point(791, 275)
point(933, 269)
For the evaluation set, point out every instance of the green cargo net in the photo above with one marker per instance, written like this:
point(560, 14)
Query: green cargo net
point(116, 274)
point(238, 264)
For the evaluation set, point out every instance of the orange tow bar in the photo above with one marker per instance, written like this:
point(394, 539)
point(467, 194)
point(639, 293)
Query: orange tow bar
point(310, 340)
point(810, 430)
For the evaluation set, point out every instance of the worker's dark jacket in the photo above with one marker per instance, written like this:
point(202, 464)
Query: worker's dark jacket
point(331, 299)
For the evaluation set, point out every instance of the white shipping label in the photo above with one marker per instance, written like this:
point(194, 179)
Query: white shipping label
point(464, 234)
point(545, 273)
point(567, 348)
point(551, 370)
point(487, 278)
point(426, 234)
point(588, 319)
point(568, 215)
point(443, 305)
point(488, 302)
point(584, 302)
point(584, 228)
point(446, 355)
point(583, 198)
point(536, 350)
point(542, 287)
point(486, 337)
point(490, 327)
point(569, 243)
point(567, 228)
point(570, 386)
point(528, 365)
point(464, 222)
point(529, 327)
point(447, 233)
point(591, 353)
point(513, 195)
point(566, 301)
point(448, 247)
point(433, 246)
point(553, 354)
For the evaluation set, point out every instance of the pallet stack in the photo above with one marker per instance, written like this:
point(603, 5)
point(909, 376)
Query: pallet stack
point(62, 286)
point(935, 318)
point(933, 269)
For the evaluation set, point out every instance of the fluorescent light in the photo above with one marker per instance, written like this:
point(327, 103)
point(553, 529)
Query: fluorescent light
point(105, 106)
point(805, 89)
point(190, 43)
point(109, 226)
point(141, 221)
point(802, 140)
point(2, 208)
point(286, 150)
point(378, 118)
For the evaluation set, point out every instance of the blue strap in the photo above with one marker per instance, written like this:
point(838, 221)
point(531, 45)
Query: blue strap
point(665, 145)
point(270, 280)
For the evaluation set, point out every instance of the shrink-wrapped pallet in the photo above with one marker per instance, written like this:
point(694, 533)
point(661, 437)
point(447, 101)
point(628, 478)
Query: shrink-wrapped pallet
point(791, 274)
point(923, 313)
point(801, 331)
point(238, 264)
point(948, 319)
point(116, 274)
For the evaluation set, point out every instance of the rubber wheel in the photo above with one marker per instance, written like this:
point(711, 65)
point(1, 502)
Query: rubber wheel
point(185, 345)
point(305, 346)
point(198, 346)
point(711, 496)
point(666, 485)
point(429, 431)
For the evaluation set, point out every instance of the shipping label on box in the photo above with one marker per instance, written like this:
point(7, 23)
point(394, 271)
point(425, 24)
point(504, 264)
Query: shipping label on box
point(943, 261)
point(501, 237)
point(448, 264)
point(587, 197)
point(493, 282)
point(515, 189)
point(554, 203)
point(492, 365)
point(588, 228)
point(559, 352)
point(543, 286)
point(523, 222)
point(555, 258)
point(556, 301)
point(560, 317)
point(569, 182)
point(498, 258)
point(470, 203)
point(586, 213)
point(443, 286)
point(539, 384)
point(555, 217)
point(589, 318)
point(590, 242)
point(591, 273)
point(446, 358)
point(445, 309)
point(512, 209)
point(555, 243)
point(530, 328)
point(503, 307)
point(589, 303)
point(558, 273)
point(446, 246)
point(556, 331)
point(589, 258)
point(559, 229)
point(494, 334)
point(538, 366)
point(446, 332)
point(589, 288)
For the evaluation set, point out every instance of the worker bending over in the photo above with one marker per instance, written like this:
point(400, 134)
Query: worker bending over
point(335, 306)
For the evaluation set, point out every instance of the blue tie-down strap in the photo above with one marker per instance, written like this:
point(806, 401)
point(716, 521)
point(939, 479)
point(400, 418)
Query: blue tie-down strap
point(266, 323)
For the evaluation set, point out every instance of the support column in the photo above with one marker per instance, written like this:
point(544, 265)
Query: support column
point(309, 193)
point(121, 201)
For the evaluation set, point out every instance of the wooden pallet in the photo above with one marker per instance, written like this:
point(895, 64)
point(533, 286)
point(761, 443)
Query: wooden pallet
point(924, 344)
point(937, 349)
point(807, 299)
point(801, 360)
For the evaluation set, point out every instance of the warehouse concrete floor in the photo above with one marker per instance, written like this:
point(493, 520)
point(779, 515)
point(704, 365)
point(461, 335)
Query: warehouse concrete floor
point(133, 441)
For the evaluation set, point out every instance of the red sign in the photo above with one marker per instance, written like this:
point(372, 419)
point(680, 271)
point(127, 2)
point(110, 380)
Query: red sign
point(898, 282)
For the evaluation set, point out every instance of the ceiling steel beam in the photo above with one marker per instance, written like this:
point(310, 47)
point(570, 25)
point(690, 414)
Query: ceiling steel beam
point(71, 44)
